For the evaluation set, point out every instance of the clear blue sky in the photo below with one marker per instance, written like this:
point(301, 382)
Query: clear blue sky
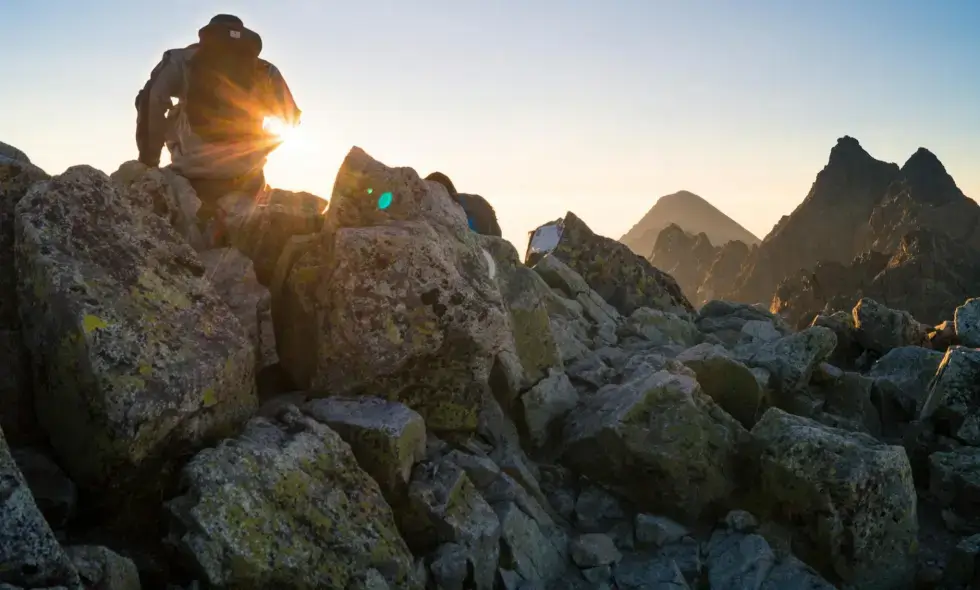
point(541, 106)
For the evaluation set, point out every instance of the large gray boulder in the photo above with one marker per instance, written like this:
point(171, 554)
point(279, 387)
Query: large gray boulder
point(880, 329)
point(262, 229)
point(966, 321)
point(406, 305)
point(792, 359)
point(17, 175)
point(731, 384)
point(850, 498)
point(954, 395)
point(30, 555)
point(660, 440)
point(387, 438)
point(285, 505)
point(232, 275)
point(136, 358)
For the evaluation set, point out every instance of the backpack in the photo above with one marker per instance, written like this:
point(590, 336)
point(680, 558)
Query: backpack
point(220, 80)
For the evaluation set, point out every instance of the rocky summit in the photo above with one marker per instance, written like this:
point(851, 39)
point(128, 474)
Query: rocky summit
point(692, 214)
point(361, 398)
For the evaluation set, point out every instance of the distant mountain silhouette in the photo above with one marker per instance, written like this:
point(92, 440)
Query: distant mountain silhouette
point(692, 214)
point(907, 237)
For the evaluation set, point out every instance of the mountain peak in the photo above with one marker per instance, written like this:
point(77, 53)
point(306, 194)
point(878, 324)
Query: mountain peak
point(927, 179)
point(923, 161)
point(848, 149)
point(690, 213)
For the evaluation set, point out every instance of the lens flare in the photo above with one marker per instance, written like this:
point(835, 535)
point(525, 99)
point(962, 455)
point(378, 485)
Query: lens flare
point(384, 201)
point(278, 128)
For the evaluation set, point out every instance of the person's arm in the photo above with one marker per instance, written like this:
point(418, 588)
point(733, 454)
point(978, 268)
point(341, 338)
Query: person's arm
point(152, 105)
point(281, 101)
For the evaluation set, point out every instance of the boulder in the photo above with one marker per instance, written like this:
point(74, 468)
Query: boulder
point(954, 481)
point(136, 358)
point(731, 384)
point(444, 506)
point(659, 439)
point(953, 403)
point(525, 297)
point(658, 530)
point(850, 497)
point(53, 492)
point(545, 404)
point(569, 284)
point(30, 555)
point(662, 327)
point(881, 329)
point(16, 390)
point(528, 550)
point(285, 505)
point(9, 152)
point(166, 194)
point(294, 307)
point(232, 276)
point(792, 359)
point(848, 350)
point(17, 420)
point(593, 550)
point(966, 321)
point(405, 303)
point(387, 438)
point(103, 569)
point(261, 229)
point(623, 279)
point(901, 381)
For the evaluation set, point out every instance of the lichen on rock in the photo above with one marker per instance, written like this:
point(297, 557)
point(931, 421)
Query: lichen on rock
point(136, 359)
point(285, 505)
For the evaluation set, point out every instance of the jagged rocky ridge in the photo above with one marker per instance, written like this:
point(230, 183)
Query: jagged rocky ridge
point(456, 419)
point(859, 206)
point(700, 268)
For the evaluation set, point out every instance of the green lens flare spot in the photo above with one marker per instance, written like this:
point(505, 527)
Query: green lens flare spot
point(384, 201)
point(370, 190)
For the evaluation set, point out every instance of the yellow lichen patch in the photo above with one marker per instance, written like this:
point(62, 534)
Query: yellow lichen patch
point(392, 331)
point(91, 323)
point(156, 291)
point(145, 369)
point(209, 397)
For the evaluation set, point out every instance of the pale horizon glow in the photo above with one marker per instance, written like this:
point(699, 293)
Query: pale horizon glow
point(596, 107)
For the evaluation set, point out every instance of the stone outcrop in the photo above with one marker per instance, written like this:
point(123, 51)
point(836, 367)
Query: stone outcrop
point(404, 299)
point(17, 175)
point(852, 494)
point(623, 279)
point(286, 505)
point(136, 360)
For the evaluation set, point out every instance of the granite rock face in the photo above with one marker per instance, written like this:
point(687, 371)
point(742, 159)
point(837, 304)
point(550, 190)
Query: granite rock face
point(623, 279)
point(136, 359)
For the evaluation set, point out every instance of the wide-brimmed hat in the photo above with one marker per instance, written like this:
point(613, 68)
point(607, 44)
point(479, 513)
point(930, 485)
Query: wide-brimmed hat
point(230, 29)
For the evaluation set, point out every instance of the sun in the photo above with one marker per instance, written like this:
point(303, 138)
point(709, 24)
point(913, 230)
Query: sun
point(286, 134)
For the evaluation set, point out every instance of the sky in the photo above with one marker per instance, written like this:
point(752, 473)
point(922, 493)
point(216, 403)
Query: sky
point(597, 107)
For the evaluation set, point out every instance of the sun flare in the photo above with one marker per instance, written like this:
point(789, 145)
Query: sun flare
point(283, 131)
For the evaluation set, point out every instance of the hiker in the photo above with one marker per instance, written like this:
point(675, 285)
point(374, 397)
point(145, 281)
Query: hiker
point(479, 213)
point(215, 133)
